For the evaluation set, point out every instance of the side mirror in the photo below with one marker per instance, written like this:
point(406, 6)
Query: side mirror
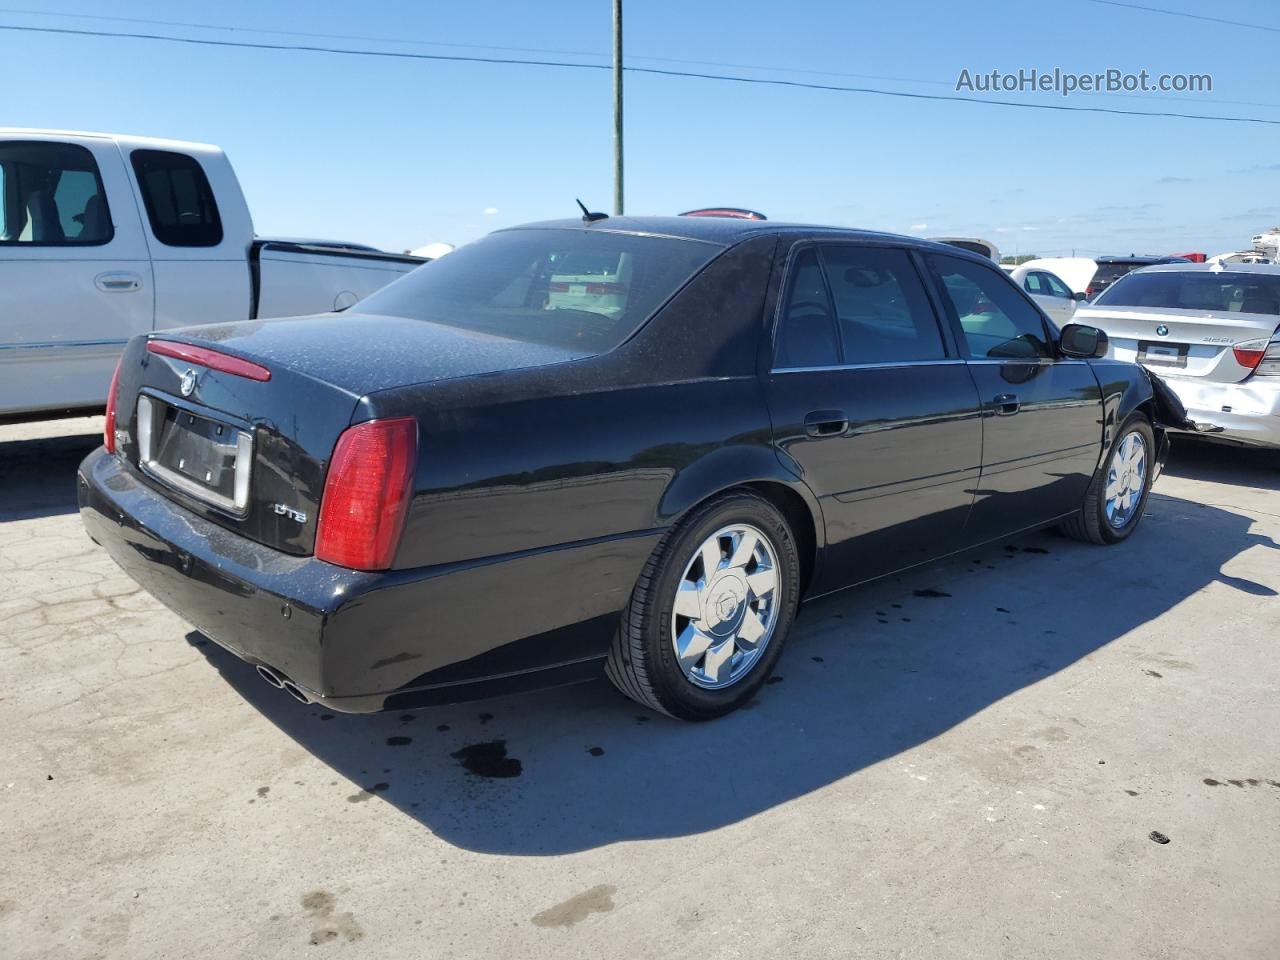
point(1083, 342)
point(1080, 297)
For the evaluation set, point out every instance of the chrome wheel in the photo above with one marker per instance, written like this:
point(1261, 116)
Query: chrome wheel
point(1126, 480)
point(726, 607)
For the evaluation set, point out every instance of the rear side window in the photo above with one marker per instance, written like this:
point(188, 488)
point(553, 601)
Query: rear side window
point(998, 322)
point(806, 328)
point(178, 199)
point(882, 311)
point(51, 195)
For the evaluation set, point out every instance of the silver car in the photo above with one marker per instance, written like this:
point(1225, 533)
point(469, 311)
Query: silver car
point(1210, 332)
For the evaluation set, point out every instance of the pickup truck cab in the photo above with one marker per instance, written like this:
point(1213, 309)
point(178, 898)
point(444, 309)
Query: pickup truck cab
point(103, 237)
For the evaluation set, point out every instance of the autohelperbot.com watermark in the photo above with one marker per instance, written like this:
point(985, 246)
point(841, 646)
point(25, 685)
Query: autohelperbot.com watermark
point(1066, 82)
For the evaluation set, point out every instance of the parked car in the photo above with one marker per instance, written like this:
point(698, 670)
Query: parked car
point(490, 487)
point(1075, 272)
point(1048, 290)
point(1111, 269)
point(983, 248)
point(1211, 332)
point(103, 237)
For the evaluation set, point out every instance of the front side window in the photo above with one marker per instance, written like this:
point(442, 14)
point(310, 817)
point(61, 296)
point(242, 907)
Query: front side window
point(51, 195)
point(577, 289)
point(178, 199)
point(1034, 284)
point(998, 322)
point(1056, 287)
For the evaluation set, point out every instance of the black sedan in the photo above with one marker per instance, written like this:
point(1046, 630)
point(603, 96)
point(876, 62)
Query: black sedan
point(630, 446)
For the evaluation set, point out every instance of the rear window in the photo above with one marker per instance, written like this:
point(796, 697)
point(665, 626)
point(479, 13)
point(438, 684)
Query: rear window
point(579, 289)
point(1107, 272)
point(1221, 292)
point(178, 198)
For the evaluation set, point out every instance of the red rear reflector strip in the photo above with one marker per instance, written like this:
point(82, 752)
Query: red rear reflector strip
point(109, 427)
point(222, 362)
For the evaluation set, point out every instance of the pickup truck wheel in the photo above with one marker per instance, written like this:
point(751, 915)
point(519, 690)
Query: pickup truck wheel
point(1117, 496)
point(707, 619)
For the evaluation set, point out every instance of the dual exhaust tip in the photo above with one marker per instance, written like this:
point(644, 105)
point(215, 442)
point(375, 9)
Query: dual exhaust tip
point(281, 682)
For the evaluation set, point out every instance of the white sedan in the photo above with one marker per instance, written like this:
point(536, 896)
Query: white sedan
point(1047, 289)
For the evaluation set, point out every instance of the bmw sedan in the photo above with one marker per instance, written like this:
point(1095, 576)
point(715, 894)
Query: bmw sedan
point(490, 480)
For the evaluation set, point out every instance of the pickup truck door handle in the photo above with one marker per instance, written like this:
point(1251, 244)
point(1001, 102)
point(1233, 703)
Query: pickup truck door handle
point(1006, 405)
point(118, 282)
point(826, 423)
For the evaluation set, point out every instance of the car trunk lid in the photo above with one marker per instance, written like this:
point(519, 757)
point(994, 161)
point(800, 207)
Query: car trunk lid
point(237, 422)
point(1182, 343)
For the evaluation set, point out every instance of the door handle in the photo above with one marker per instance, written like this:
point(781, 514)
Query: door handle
point(826, 423)
point(1006, 405)
point(118, 282)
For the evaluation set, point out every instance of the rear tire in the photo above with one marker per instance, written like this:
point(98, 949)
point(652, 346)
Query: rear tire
point(1117, 495)
point(708, 616)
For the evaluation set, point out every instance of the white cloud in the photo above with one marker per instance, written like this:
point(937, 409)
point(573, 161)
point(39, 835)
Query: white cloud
point(490, 211)
point(918, 226)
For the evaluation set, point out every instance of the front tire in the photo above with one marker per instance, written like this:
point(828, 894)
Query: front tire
point(1117, 496)
point(707, 619)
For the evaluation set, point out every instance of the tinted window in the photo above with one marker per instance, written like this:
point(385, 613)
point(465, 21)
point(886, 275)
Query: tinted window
point(51, 195)
point(580, 289)
point(882, 310)
point(997, 321)
point(1224, 292)
point(178, 199)
point(1109, 272)
point(806, 329)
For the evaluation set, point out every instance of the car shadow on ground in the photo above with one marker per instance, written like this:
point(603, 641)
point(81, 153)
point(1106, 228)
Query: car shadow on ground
point(38, 476)
point(1224, 463)
point(866, 675)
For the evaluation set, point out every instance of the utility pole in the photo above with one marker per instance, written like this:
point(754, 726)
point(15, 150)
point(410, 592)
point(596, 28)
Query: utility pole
point(617, 108)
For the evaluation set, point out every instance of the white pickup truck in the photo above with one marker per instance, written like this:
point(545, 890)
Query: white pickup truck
point(103, 237)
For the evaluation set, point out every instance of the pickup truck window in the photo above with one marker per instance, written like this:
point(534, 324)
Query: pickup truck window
point(178, 198)
point(578, 289)
point(51, 195)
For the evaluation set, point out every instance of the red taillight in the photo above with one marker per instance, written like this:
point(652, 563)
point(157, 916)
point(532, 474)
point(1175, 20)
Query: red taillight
point(605, 288)
point(366, 494)
point(1090, 292)
point(559, 287)
point(109, 427)
point(1250, 353)
point(214, 360)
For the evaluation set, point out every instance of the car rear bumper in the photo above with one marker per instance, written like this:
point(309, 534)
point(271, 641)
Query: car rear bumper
point(362, 642)
point(1247, 412)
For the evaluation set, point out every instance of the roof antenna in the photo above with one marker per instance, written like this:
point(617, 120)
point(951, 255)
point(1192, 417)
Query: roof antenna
point(587, 215)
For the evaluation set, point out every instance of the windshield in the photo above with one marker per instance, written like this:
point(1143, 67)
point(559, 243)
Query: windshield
point(1223, 292)
point(585, 290)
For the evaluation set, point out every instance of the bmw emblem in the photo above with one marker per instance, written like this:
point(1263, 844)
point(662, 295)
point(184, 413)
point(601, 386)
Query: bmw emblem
point(188, 385)
point(1161, 331)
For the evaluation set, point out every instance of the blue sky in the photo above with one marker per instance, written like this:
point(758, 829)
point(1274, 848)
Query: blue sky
point(399, 153)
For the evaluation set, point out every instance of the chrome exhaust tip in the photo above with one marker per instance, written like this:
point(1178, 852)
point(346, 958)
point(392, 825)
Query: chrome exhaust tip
point(295, 691)
point(269, 675)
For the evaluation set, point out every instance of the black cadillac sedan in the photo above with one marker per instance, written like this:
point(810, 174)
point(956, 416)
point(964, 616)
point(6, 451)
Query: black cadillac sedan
point(628, 445)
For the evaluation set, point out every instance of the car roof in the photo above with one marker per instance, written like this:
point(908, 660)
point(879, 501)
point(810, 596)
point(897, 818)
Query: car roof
point(1263, 269)
point(728, 231)
point(1142, 258)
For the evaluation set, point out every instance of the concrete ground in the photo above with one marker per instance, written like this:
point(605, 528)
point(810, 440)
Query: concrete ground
point(971, 774)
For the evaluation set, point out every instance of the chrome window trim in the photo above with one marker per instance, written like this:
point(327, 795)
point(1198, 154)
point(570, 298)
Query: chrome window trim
point(885, 365)
point(237, 504)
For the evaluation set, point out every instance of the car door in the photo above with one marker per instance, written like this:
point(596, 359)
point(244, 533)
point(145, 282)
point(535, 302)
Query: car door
point(873, 408)
point(75, 278)
point(1060, 302)
point(1042, 418)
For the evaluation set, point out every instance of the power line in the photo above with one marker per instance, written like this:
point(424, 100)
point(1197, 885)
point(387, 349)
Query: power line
point(1189, 16)
point(653, 71)
point(574, 53)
